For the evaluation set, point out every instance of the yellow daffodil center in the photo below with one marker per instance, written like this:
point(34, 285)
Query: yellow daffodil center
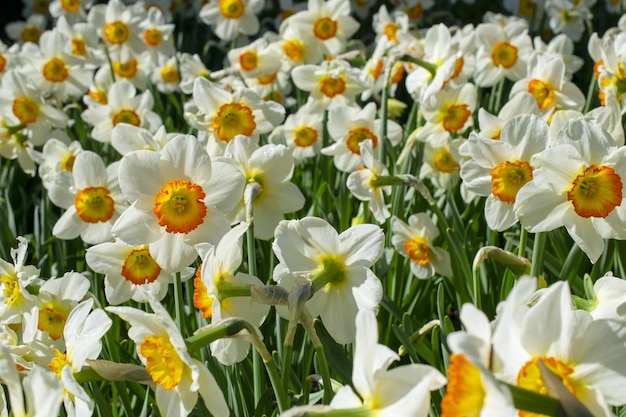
point(417, 250)
point(57, 363)
point(332, 271)
point(377, 69)
point(268, 79)
point(52, 320)
point(99, 96)
point(294, 49)
point(543, 93)
point(26, 110)
point(201, 298)
point(67, 163)
point(78, 47)
point(596, 192)
point(55, 70)
point(465, 394)
point(508, 177)
point(305, 136)
point(3, 63)
point(126, 69)
point(390, 31)
point(444, 162)
point(232, 9)
point(140, 268)
point(273, 96)
point(169, 74)
point(126, 116)
point(455, 117)
point(163, 363)
point(415, 12)
point(179, 206)
point(94, 204)
point(30, 34)
point(70, 6)
point(40, 6)
point(529, 377)
point(152, 37)
point(325, 28)
point(233, 119)
point(526, 8)
point(504, 55)
point(116, 33)
point(332, 86)
point(358, 135)
point(249, 60)
point(11, 290)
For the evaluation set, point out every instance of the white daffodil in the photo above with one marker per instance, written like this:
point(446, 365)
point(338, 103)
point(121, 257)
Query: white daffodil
point(92, 198)
point(401, 391)
point(219, 293)
point(546, 81)
point(498, 169)
point(179, 378)
point(302, 132)
point(585, 354)
point(22, 104)
point(123, 105)
point(414, 241)
point(339, 266)
point(334, 84)
point(14, 278)
point(472, 388)
point(579, 184)
point(361, 183)
point(118, 24)
point(225, 115)
point(268, 168)
point(348, 127)
point(179, 199)
point(329, 22)
point(53, 69)
point(230, 18)
point(58, 155)
point(82, 334)
point(37, 395)
point(129, 272)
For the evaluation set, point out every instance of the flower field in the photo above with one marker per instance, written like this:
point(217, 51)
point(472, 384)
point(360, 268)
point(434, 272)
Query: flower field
point(339, 208)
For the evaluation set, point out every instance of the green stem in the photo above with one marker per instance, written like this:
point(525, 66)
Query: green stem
point(383, 113)
point(523, 239)
point(178, 301)
point(536, 266)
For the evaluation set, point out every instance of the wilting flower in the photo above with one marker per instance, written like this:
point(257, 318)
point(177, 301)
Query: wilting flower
point(339, 266)
point(179, 378)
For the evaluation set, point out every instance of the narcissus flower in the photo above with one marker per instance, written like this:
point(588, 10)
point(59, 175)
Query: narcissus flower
point(230, 18)
point(179, 378)
point(339, 266)
point(583, 353)
point(92, 198)
point(349, 127)
point(225, 115)
point(118, 24)
point(268, 168)
point(129, 272)
point(123, 105)
point(179, 199)
point(498, 169)
point(414, 241)
point(220, 293)
point(579, 184)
